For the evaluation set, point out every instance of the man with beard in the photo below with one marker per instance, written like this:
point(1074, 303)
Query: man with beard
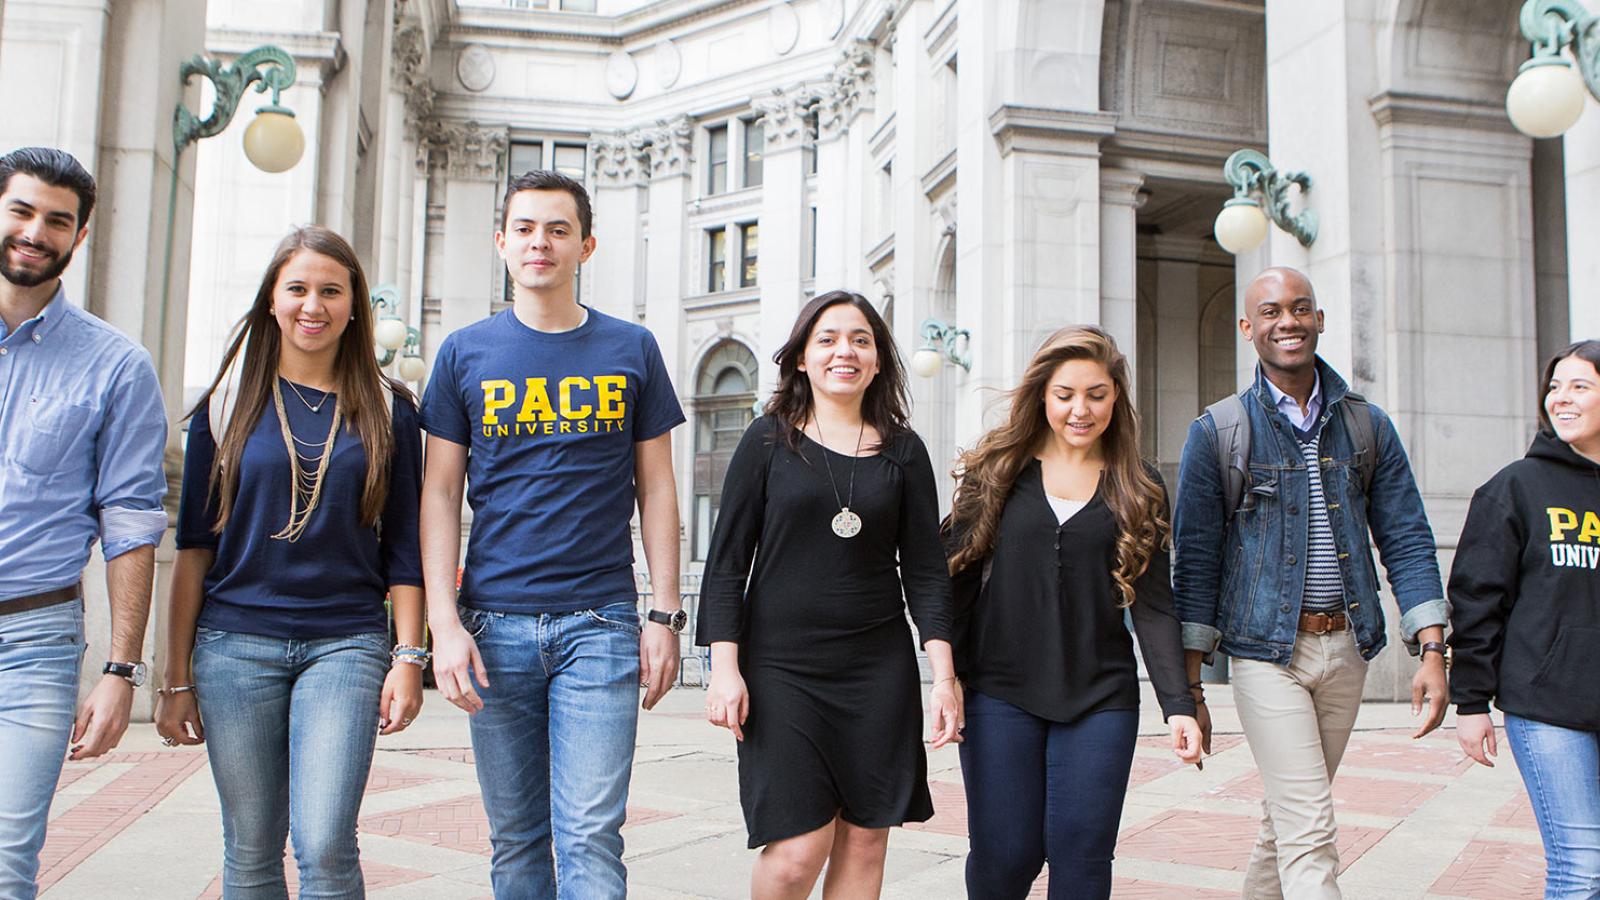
point(83, 433)
point(1278, 491)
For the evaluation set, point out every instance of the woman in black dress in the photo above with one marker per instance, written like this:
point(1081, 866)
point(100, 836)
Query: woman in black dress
point(829, 512)
point(1058, 528)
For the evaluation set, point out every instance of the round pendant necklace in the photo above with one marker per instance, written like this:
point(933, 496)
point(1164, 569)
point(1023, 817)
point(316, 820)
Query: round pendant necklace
point(314, 409)
point(846, 524)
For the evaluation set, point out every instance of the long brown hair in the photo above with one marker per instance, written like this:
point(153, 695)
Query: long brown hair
point(887, 398)
point(987, 472)
point(1584, 350)
point(358, 382)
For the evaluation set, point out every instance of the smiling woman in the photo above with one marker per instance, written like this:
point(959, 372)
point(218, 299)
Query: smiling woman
point(1525, 613)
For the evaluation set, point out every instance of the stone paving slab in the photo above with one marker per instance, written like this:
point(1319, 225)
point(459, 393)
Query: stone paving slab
point(1417, 820)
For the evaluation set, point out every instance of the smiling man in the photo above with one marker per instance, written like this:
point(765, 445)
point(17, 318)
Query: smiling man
point(559, 418)
point(83, 431)
point(1278, 491)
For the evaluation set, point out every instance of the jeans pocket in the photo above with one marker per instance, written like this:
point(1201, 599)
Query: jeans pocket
point(203, 636)
point(61, 624)
point(474, 621)
point(617, 616)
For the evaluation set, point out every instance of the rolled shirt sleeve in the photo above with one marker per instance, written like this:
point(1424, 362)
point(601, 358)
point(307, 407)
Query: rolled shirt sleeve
point(130, 479)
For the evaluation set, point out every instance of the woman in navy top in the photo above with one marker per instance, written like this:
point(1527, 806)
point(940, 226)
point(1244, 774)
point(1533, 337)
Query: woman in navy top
point(299, 513)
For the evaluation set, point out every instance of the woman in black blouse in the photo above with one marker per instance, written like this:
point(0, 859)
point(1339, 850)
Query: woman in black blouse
point(1057, 528)
point(829, 512)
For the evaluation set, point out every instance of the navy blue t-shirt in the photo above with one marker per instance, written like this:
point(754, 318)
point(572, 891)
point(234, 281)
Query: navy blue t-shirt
point(332, 581)
point(550, 421)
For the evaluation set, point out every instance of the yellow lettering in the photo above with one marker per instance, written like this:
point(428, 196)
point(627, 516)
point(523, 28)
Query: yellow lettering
point(1591, 529)
point(498, 394)
point(549, 427)
point(503, 430)
point(566, 427)
point(609, 389)
point(536, 402)
point(568, 411)
point(1561, 521)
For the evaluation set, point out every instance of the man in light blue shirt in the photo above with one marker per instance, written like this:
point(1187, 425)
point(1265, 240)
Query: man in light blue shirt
point(82, 432)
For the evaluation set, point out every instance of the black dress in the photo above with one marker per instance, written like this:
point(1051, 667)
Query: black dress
point(835, 722)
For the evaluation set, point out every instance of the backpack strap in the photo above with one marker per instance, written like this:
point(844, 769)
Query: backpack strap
point(1233, 449)
point(1356, 413)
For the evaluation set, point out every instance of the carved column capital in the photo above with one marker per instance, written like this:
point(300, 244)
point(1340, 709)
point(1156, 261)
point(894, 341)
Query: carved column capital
point(472, 151)
point(620, 160)
point(847, 91)
point(670, 147)
point(411, 77)
point(784, 112)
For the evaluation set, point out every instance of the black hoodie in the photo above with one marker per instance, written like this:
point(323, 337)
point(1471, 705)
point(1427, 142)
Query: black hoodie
point(1525, 591)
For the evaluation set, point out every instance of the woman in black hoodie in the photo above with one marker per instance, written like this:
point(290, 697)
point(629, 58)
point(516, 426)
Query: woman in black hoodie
point(1525, 620)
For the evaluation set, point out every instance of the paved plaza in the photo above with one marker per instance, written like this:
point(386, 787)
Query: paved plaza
point(1416, 818)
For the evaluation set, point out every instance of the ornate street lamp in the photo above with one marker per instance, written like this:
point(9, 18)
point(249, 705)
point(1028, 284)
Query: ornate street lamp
point(1242, 224)
point(392, 335)
point(1546, 98)
point(941, 342)
point(273, 142)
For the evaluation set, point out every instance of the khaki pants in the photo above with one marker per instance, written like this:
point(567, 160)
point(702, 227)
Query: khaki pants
point(1298, 720)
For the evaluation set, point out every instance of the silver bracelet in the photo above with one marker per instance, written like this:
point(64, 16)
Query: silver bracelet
point(408, 659)
point(175, 689)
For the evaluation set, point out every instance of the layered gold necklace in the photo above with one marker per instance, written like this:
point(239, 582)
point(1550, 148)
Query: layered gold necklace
point(307, 490)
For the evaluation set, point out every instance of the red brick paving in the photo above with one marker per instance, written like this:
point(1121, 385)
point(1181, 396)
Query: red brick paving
point(1517, 813)
point(385, 779)
point(77, 833)
point(1379, 796)
point(1428, 757)
point(1217, 841)
point(1220, 743)
point(375, 875)
point(462, 824)
point(949, 810)
point(1136, 889)
point(1494, 869)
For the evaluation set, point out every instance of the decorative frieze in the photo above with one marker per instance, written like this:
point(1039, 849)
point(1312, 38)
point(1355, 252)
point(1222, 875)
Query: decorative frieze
point(411, 78)
point(784, 114)
point(619, 159)
point(846, 91)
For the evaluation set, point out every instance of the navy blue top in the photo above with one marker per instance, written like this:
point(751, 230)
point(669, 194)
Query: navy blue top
point(330, 582)
point(550, 421)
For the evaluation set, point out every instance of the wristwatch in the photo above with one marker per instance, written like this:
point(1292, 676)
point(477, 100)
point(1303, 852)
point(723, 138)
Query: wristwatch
point(675, 621)
point(132, 672)
point(1437, 647)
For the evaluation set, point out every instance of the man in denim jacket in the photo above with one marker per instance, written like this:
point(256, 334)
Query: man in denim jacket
point(1286, 586)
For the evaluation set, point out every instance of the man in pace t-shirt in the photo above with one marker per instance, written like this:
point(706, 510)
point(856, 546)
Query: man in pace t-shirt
point(558, 418)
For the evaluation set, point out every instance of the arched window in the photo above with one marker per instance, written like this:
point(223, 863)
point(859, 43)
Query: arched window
point(725, 395)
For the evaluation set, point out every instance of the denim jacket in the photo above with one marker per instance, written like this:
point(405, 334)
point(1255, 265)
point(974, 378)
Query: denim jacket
point(1239, 584)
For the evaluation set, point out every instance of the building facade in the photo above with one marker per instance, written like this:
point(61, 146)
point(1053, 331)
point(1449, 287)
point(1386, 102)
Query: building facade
point(1005, 167)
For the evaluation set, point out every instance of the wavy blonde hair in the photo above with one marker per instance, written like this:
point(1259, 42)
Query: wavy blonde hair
point(986, 473)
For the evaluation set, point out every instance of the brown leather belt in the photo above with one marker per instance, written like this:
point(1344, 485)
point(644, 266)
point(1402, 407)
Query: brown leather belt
point(1322, 623)
point(39, 601)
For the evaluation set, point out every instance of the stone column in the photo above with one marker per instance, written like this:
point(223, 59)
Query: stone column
point(1119, 260)
point(620, 200)
point(1177, 303)
point(783, 187)
point(473, 275)
point(1581, 147)
point(839, 103)
point(145, 43)
point(668, 272)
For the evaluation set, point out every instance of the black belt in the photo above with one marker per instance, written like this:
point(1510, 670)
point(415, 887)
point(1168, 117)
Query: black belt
point(39, 601)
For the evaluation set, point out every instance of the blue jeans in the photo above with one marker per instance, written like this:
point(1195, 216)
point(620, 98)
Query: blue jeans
point(290, 727)
point(1561, 768)
point(1039, 790)
point(41, 652)
point(554, 747)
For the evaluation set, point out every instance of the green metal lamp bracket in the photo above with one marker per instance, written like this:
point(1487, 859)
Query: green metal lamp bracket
point(951, 342)
point(230, 81)
point(1250, 170)
point(1551, 25)
point(386, 298)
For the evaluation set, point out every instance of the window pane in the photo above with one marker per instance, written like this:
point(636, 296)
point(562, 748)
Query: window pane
point(578, 5)
point(750, 243)
point(718, 258)
point(525, 158)
point(755, 147)
point(717, 174)
point(569, 160)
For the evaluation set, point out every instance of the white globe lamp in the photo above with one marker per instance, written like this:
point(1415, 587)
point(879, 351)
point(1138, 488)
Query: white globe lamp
point(927, 362)
point(1546, 99)
point(412, 368)
point(1241, 226)
point(390, 333)
point(273, 142)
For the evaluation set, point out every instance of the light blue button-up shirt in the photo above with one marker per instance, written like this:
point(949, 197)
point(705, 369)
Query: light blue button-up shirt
point(1291, 407)
point(83, 431)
